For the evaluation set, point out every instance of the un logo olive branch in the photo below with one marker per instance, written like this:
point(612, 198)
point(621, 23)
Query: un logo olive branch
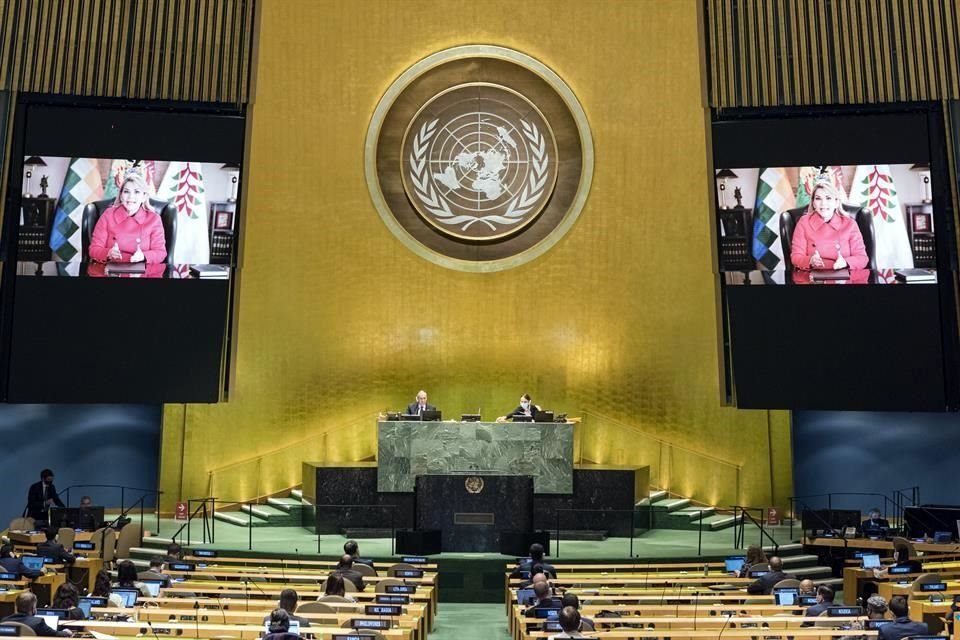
point(520, 205)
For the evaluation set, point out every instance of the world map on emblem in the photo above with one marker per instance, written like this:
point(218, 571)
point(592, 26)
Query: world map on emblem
point(479, 162)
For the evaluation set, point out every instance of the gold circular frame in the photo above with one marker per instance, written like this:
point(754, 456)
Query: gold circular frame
point(499, 53)
point(507, 232)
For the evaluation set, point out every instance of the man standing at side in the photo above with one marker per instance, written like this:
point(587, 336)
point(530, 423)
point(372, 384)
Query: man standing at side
point(417, 408)
point(41, 496)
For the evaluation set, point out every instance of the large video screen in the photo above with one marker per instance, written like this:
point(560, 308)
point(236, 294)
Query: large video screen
point(118, 282)
point(835, 258)
point(127, 217)
point(840, 224)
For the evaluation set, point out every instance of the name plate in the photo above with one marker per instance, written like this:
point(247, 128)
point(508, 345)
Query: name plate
point(474, 519)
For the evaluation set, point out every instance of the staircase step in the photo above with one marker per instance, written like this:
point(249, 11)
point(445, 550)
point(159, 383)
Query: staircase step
point(785, 550)
point(298, 494)
point(672, 504)
point(693, 513)
point(241, 519)
point(812, 573)
point(287, 505)
point(582, 535)
point(796, 562)
point(365, 533)
point(719, 522)
point(264, 511)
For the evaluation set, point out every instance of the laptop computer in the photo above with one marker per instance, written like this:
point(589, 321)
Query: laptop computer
point(942, 537)
point(294, 627)
point(127, 596)
point(786, 596)
point(544, 416)
point(733, 564)
point(525, 597)
point(430, 415)
point(154, 587)
point(34, 563)
point(53, 621)
point(870, 560)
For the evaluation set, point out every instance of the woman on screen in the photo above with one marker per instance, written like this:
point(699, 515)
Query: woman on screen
point(130, 230)
point(825, 237)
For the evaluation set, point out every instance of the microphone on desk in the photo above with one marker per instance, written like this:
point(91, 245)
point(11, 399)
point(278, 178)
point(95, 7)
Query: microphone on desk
point(696, 601)
point(246, 595)
point(150, 624)
point(724, 627)
point(283, 566)
point(196, 616)
point(223, 613)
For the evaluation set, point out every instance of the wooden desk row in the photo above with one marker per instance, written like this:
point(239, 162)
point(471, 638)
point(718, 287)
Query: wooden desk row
point(208, 630)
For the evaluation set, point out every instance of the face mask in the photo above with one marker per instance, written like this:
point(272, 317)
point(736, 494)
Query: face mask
point(524, 404)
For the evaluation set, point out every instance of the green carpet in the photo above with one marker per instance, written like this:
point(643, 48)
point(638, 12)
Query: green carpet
point(470, 622)
point(651, 545)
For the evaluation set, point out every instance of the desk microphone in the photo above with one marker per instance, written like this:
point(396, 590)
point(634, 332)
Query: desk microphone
point(283, 566)
point(196, 616)
point(260, 589)
point(246, 595)
point(696, 601)
point(724, 627)
point(150, 624)
point(223, 613)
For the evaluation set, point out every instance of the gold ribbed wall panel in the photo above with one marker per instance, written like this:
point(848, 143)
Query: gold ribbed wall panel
point(810, 52)
point(338, 320)
point(189, 50)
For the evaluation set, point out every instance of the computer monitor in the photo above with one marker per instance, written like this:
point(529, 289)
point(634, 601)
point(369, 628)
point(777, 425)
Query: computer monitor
point(870, 560)
point(551, 626)
point(521, 418)
point(153, 586)
point(942, 537)
point(409, 417)
point(786, 596)
point(525, 597)
point(469, 417)
point(430, 415)
point(127, 596)
point(34, 563)
point(544, 416)
point(734, 563)
point(844, 612)
point(49, 611)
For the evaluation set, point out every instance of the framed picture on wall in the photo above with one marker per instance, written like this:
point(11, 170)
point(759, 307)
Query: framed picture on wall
point(223, 220)
point(922, 221)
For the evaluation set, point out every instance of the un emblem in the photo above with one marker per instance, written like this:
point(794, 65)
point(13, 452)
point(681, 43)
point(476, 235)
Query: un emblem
point(473, 484)
point(479, 162)
point(479, 158)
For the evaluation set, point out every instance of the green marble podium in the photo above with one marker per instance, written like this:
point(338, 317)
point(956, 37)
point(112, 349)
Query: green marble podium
point(542, 450)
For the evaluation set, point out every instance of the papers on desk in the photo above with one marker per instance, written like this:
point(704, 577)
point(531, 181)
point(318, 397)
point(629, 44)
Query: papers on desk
point(102, 636)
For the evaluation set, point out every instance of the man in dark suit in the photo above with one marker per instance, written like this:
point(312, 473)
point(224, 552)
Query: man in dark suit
point(347, 572)
point(824, 601)
point(27, 615)
point(526, 409)
point(420, 405)
point(764, 584)
point(352, 549)
point(902, 626)
point(53, 549)
point(536, 558)
point(12, 564)
point(41, 496)
point(545, 599)
point(874, 525)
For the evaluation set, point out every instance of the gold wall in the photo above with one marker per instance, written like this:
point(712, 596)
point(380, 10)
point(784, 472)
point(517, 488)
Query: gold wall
point(336, 320)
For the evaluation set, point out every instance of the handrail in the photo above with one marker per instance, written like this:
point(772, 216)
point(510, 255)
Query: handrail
point(293, 445)
point(621, 423)
point(123, 514)
point(745, 511)
point(201, 506)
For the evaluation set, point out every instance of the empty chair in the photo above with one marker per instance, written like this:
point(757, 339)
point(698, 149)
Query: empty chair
point(787, 583)
point(22, 629)
point(315, 607)
point(387, 582)
point(392, 571)
point(129, 537)
point(364, 569)
point(66, 536)
point(22, 524)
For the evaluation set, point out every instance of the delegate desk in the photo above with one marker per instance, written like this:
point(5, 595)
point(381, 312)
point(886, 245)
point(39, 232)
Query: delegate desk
point(208, 630)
